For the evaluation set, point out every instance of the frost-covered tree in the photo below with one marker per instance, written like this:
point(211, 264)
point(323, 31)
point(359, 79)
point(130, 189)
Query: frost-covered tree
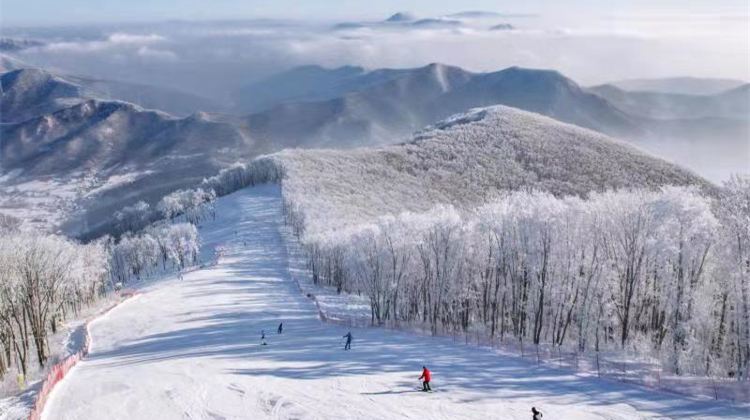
point(45, 278)
point(133, 217)
point(195, 204)
point(41, 278)
point(734, 213)
point(148, 252)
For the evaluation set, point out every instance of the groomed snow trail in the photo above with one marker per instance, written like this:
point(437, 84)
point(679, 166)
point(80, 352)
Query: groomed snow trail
point(191, 349)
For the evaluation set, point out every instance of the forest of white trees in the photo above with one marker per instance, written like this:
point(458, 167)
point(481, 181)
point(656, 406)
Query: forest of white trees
point(661, 272)
point(192, 205)
point(45, 279)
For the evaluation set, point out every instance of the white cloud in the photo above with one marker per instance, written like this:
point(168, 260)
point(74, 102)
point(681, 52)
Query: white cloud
point(215, 58)
point(126, 38)
point(114, 40)
point(148, 52)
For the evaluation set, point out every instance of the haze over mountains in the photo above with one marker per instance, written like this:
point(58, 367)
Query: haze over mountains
point(680, 85)
point(106, 144)
point(350, 106)
point(451, 89)
point(732, 103)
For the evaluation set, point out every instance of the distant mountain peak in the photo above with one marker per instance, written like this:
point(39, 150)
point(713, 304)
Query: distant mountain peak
point(545, 76)
point(401, 17)
point(437, 67)
point(20, 75)
point(439, 22)
point(502, 27)
point(18, 44)
point(442, 70)
point(474, 14)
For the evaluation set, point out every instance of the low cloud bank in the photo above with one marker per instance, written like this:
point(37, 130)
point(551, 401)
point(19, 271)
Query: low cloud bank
point(214, 58)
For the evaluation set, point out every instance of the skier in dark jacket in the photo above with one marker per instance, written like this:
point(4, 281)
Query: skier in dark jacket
point(427, 377)
point(348, 344)
point(263, 337)
point(536, 414)
point(281, 327)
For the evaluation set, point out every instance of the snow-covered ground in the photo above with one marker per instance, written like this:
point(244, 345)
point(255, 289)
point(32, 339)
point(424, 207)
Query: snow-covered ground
point(191, 349)
point(45, 203)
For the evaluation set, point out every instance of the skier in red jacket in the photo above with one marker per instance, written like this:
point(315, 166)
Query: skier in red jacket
point(427, 376)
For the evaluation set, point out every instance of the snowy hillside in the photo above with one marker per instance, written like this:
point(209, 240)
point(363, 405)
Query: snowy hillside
point(108, 154)
point(70, 157)
point(466, 161)
point(98, 135)
point(29, 92)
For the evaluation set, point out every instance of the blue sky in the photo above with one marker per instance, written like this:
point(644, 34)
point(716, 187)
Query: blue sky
point(32, 12)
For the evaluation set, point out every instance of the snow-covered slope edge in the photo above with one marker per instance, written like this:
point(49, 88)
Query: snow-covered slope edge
point(72, 348)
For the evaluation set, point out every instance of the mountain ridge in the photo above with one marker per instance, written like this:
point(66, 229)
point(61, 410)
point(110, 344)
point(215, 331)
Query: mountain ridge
point(464, 161)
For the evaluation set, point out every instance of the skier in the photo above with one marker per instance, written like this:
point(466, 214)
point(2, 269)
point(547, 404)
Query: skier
point(427, 376)
point(263, 337)
point(281, 327)
point(348, 345)
point(536, 414)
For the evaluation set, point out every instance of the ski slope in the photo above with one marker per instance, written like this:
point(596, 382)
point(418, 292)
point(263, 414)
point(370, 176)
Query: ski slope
point(190, 349)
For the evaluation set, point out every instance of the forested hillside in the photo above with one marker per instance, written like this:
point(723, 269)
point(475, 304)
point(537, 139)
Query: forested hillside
point(466, 161)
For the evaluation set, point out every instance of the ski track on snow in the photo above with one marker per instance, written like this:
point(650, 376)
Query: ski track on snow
point(191, 349)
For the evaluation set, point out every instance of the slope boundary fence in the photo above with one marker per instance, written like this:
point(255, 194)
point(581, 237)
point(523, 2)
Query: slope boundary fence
point(58, 372)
